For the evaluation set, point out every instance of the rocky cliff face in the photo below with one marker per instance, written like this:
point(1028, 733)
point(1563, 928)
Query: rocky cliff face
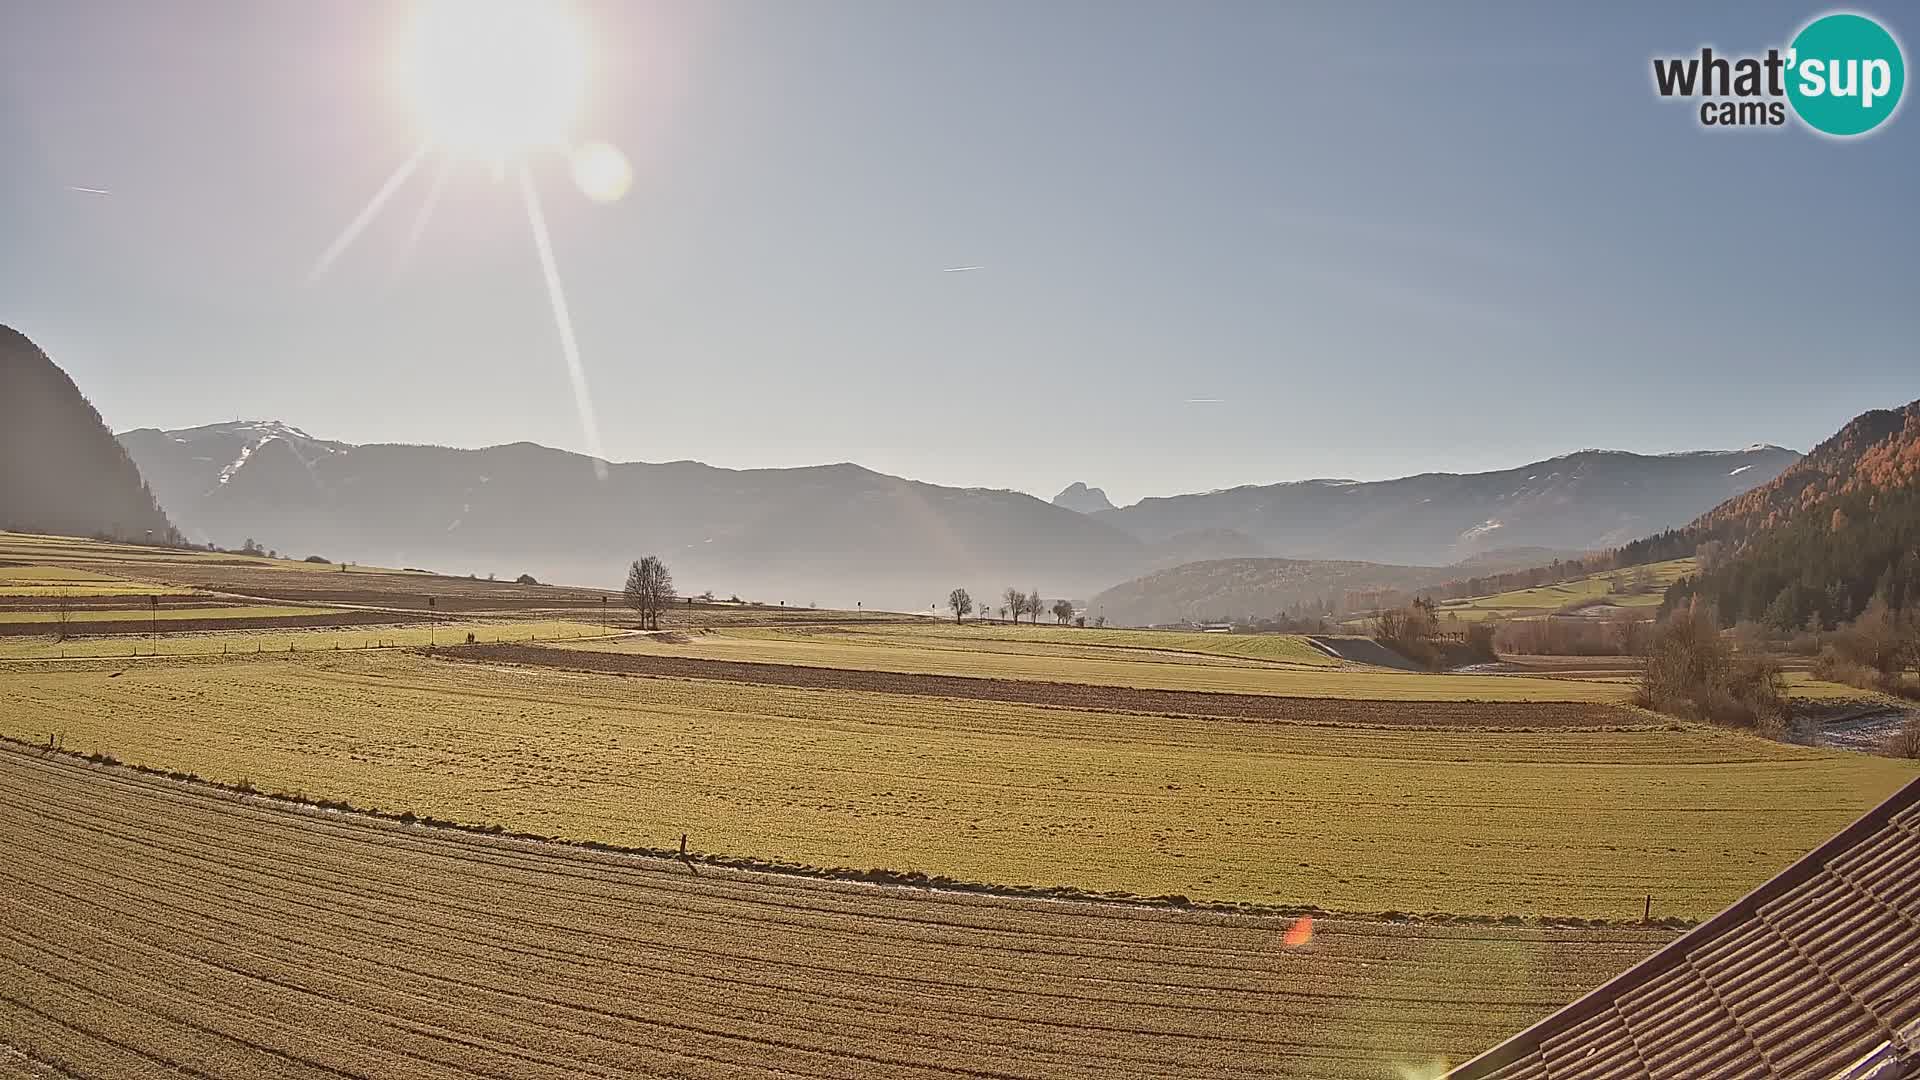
point(1082, 499)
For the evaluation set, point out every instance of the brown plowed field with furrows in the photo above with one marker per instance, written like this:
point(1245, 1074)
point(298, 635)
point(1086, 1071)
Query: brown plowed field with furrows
point(1427, 714)
point(149, 926)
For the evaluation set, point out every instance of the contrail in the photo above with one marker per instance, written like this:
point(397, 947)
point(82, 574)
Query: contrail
point(89, 190)
point(961, 269)
point(420, 219)
point(1206, 401)
point(582, 400)
point(373, 206)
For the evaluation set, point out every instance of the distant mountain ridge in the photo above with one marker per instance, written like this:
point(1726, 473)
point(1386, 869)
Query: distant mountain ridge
point(832, 534)
point(837, 534)
point(1588, 500)
point(60, 469)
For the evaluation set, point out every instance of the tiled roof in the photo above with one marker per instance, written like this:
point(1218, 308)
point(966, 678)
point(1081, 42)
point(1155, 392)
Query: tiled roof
point(1816, 973)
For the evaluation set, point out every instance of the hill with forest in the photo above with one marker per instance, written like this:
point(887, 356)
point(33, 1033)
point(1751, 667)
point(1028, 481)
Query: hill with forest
point(61, 471)
point(1817, 542)
point(1249, 590)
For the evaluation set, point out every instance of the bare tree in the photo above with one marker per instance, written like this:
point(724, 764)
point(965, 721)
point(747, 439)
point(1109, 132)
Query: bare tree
point(1003, 613)
point(960, 604)
point(649, 590)
point(62, 617)
point(1016, 603)
point(1062, 611)
point(1035, 606)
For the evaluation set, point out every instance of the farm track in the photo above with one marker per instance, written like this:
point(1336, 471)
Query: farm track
point(148, 925)
point(1453, 715)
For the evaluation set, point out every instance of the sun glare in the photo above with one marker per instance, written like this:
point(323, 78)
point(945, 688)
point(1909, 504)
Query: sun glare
point(493, 78)
point(498, 81)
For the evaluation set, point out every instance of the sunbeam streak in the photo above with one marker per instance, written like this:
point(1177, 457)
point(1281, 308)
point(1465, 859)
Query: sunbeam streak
point(366, 216)
point(420, 218)
point(571, 349)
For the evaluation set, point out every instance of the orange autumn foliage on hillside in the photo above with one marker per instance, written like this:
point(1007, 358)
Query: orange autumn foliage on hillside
point(1877, 451)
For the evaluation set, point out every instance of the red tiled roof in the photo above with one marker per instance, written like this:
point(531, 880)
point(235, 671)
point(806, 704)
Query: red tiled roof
point(1816, 973)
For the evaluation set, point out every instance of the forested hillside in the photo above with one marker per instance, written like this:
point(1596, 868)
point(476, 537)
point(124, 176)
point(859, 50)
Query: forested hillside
point(1817, 542)
point(60, 469)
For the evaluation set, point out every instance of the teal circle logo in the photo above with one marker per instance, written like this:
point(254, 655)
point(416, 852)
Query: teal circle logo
point(1845, 74)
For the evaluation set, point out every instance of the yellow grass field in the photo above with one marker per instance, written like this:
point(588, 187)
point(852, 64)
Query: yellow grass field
point(1005, 657)
point(1285, 648)
point(1582, 823)
point(1614, 587)
point(216, 643)
point(165, 614)
point(53, 582)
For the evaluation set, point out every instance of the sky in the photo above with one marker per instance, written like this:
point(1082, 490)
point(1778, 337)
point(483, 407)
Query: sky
point(1217, 243)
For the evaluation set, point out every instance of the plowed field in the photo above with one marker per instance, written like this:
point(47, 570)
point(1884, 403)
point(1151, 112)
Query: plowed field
point(148, 926)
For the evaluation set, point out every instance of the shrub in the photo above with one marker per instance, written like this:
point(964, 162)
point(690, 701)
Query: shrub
point(1693, 672)
point(1873, 652)
point(1414, 632)
point(1905, 743)
point(525, 579)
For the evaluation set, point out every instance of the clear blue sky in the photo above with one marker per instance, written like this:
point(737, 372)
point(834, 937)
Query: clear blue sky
point(1386, 239)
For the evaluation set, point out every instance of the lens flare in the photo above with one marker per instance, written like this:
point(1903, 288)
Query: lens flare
point(345, 240)
point(1431, 1070)
point(602, 172)
point(1300, 933)
point(569, 348)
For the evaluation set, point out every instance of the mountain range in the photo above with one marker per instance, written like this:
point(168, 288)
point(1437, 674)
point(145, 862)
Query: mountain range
point(842, 534)
point(832, 534)
point(1584, 501)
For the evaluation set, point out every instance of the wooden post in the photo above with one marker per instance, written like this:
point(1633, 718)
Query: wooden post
point(1647, 916)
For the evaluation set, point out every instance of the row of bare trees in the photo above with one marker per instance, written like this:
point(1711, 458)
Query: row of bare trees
point(960, 602)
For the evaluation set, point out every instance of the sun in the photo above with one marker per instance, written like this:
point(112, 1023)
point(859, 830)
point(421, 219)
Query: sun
point(495, 78)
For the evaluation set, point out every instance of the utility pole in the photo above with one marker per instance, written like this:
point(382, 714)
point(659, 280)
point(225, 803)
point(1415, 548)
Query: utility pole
point(153, 618)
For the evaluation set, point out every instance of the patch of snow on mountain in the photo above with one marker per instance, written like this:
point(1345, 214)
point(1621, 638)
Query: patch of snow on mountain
point(1740, 470)
point(246, 452)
